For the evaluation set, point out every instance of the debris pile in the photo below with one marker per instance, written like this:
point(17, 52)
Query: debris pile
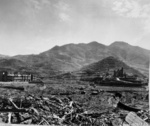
point(56, 111)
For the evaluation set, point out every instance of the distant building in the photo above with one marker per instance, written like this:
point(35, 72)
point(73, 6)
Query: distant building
point(3, 75)
point(119, 73)
point(6, 76)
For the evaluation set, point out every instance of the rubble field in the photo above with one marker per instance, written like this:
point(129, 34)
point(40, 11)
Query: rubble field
point(66, 105)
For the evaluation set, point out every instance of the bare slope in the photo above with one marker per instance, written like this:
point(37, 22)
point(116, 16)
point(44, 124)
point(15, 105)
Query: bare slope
point(134, 56)
point(109, 64)
point(72, 57)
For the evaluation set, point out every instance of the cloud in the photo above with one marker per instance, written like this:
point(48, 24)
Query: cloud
point(64, 17)
point(39, 4)
point(63, 11)
point(62, 6)
point(131, 8)
point(134, 9)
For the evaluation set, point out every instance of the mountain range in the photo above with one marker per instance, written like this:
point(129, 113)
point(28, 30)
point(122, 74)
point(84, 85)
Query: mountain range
point(72, 57)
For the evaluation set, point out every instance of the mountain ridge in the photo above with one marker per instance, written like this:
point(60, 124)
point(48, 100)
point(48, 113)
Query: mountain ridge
point(71, 57)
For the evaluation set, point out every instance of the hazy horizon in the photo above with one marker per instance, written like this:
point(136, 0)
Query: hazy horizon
point(34, 26)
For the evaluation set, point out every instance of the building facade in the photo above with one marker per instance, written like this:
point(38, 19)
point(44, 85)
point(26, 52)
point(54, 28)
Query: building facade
point(6, 77)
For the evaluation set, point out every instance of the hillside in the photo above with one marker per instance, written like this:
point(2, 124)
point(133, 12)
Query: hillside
point(134, 56)
point(3, 56)
point(15, 66)
point(71, 57)
point(108, 64)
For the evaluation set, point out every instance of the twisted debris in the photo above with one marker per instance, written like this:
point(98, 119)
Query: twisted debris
point(55, 111)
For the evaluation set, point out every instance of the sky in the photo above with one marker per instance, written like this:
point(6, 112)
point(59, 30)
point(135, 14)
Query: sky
point(34, 26)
